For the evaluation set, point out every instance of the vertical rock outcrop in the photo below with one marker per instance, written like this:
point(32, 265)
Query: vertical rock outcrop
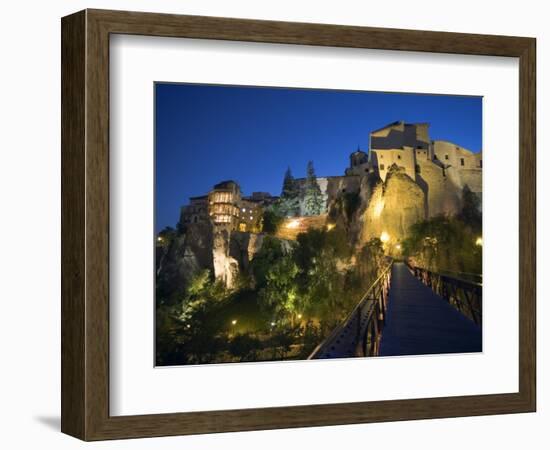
point(226, 268)
point(393, 207)
point(182, 259)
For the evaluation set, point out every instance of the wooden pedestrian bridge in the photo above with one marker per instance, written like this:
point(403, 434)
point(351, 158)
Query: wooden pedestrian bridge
point(410, 311)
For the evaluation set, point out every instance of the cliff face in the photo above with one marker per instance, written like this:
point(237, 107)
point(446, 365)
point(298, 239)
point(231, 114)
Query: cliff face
point(183, 258)
point(393, 205)
point(443, 189)
point(392, 208)
point(226, 268)
point(200, 247)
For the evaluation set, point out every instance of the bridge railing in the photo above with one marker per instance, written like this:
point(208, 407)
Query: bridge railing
point(360, 333)
point(464, 295)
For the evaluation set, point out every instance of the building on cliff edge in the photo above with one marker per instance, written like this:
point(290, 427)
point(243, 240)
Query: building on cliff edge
point(407, 145)
point(440, 168)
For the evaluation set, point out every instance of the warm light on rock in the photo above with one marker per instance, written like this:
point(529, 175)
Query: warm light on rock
point(293, 224)
point(378, 208)
point(479, 241)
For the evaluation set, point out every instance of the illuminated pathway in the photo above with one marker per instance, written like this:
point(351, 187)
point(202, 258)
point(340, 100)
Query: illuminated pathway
point(418, 321)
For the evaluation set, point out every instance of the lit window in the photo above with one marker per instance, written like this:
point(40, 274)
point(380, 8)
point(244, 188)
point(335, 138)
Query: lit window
point(244, 209)
point(251, 217)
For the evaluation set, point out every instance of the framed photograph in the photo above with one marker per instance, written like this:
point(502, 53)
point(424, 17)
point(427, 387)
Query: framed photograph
point(273, 225)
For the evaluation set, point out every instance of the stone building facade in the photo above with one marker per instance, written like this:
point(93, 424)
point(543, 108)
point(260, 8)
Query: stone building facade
point(406, 145)
point(226, 208)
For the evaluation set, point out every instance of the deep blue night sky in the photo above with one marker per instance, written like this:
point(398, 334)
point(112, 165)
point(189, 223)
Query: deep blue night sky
point(205, 134)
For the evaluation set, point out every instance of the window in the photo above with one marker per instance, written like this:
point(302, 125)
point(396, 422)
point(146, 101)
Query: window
point(461, 161)
point(446, 156)
point(381, 166)
point(381, 156)
point(398, 156)
point(367, 170)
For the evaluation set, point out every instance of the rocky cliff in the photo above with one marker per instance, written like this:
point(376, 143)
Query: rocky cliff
point(393, 206)
point(181, 257)
point(201, 246)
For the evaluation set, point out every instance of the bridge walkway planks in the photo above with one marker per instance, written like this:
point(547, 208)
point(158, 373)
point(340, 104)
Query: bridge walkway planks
point(420, 322)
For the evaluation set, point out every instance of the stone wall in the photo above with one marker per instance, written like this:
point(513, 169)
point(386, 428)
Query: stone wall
point(292, 226)
point(442, 188)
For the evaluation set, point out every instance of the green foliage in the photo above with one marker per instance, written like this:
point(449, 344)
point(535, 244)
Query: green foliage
point(287, 303)
point(282, 338)
point(289, 203)
point(317, 243)
point(314, 202)
point(444, 244)
point(279, 293)
point(271, 220)
point(289, 185)
point(471, 209)
point(186, 332)
point(325, 285)
point(245, 347)
point(271, 252)
point(369, 260)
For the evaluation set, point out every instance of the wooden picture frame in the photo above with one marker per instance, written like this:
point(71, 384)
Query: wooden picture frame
point(85, 224)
